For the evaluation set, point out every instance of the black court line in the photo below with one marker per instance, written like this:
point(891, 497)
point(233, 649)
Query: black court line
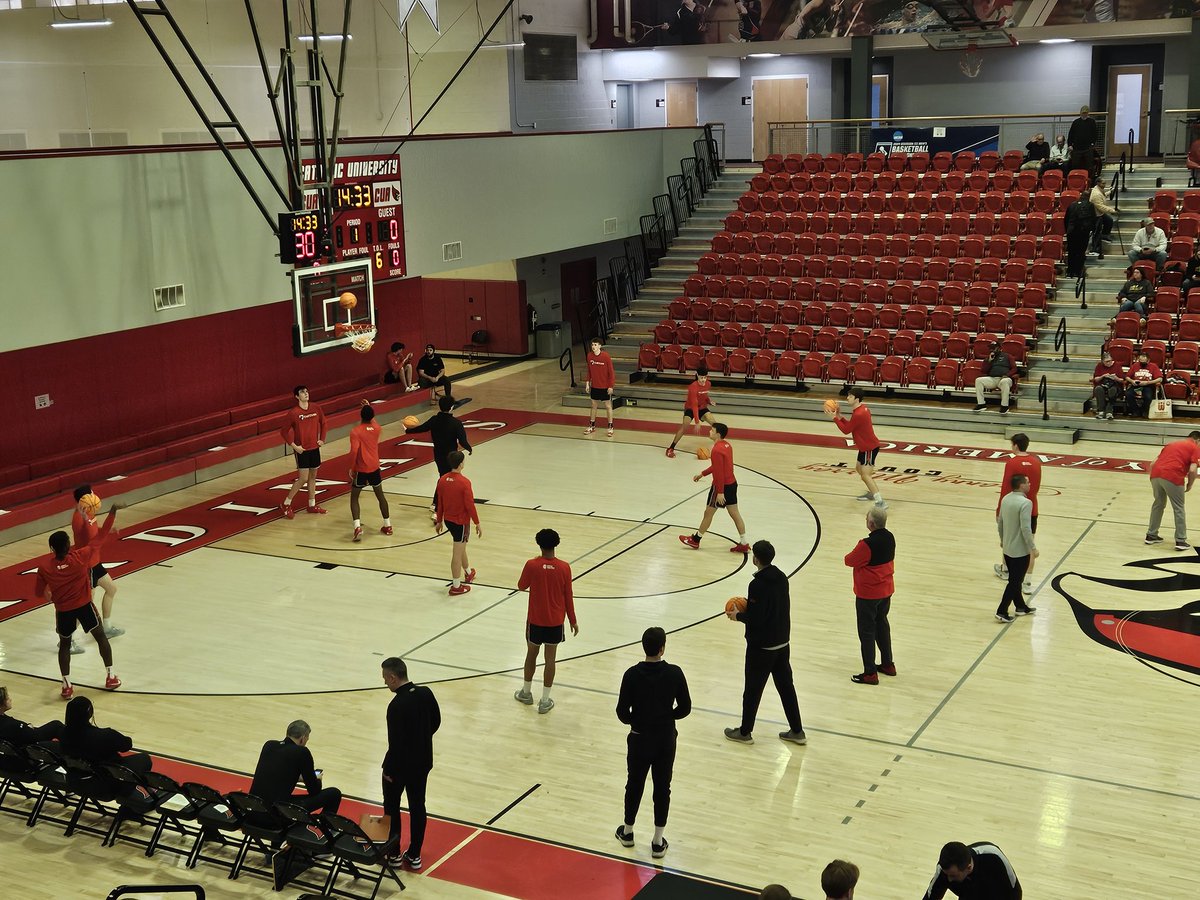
point(988, 649)
point(496, 818)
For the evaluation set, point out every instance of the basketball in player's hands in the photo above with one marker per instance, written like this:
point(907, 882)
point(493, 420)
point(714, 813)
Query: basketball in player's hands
point(90, 503)
point(411, 422)
point(703, 453)
point(831, 407)
point(735, 605)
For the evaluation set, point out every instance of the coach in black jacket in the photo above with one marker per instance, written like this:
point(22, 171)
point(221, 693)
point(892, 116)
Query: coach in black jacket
point(768, 630)
point(978, 872)
point(412, 719)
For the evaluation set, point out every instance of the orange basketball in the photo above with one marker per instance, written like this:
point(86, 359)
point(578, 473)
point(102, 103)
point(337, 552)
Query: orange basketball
point(831, 406)
point(703, 453)
point(735, 605)
point(411, 421)
point(91, 503)
point(348, 300)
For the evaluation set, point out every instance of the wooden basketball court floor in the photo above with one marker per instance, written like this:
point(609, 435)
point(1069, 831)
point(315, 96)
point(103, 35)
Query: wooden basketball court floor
point(1071, 753)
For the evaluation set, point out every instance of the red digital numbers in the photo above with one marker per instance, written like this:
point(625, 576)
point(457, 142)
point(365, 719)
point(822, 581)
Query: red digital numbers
point(306, 245)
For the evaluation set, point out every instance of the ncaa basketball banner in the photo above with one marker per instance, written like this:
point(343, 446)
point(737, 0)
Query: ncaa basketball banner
point(952, 139)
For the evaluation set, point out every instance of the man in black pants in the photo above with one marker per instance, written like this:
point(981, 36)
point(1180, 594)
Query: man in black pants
point(412, 718)
point(282, 764)
point(654, 695)
point(767, 618)
point(979, 871)
point(431, 371)
point(873, 561)
point(448, 435)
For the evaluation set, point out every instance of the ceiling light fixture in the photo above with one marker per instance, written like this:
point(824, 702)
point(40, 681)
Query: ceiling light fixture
point(1057, 41)
point(762, 55)
point(81, 23)
point(307, 38)
point(514, 45)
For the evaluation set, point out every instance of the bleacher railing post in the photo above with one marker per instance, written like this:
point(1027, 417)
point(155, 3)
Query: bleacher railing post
point(1043, 395)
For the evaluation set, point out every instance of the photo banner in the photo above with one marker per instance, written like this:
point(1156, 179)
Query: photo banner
point(951, 139)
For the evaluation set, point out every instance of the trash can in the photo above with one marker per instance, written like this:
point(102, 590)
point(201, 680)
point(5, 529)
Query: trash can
point(552, 339)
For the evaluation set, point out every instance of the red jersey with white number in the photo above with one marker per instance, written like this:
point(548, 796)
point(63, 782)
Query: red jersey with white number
point(70, 578)
point(456, 500)
point(550, 597)
point(721, 465)
point(697, 398)
point(304, 426)
point(600, 370)
point(84, 528)
point(364, 447)
point(860, 429)
point(1031, 468)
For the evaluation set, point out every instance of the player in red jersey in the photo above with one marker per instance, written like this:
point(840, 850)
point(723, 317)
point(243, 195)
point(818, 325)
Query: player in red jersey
point(859, 427)
point(600, 381)
point(304, 432)
point(364, 469)
point(723, 494)
point(551, 602)
point(65, 579)
point(85, 529)
point(1024, 463)
point(696, 409)
point(456, 508)
point(399, 368)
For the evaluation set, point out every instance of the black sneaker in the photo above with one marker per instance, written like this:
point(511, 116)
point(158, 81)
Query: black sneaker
point(1182, 545)
point(412, 862)
point(1027, 611)
point(795, 737)
point(461, 403)
point(1004, 410)
point(1153, 539)
point(1001, 617)
point(735, 734)
point(979, 407)
point(626, 838)
point(658, 851)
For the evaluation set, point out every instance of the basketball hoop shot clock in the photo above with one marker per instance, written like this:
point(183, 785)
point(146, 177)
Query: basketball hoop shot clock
point(303, 238)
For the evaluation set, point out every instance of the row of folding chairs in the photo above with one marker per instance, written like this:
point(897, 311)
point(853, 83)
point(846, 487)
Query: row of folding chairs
point(918, 372)
point(943, 161)
point(878, 202)
point(954, 181)
point(982, 224)
point(1181, 355)
point(1157, 326)
point(917, 265)
point(1172, 203)
point(186, 819)
point(805, 291)
point(829, 339)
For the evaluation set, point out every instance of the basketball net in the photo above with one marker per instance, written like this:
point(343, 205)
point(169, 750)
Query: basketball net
point(971, 62)
point(362, 337)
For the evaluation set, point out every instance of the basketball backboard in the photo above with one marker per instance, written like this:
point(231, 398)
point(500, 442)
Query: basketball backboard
point(316, 292)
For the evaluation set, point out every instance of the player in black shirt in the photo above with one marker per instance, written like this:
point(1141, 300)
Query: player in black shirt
point(654, 695)
point(283, 764)
point(447, 434)
point(978, 872)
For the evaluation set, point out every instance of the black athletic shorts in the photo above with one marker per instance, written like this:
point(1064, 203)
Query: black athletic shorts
point(309, 459)
point(730, 495)
point(1033, 524)
point(687, 414)
point(867, 457)
point(364, 479)
point(460, 533)
point(98, 572)
point(544, 634)
point(85, 616)
point(601, 394)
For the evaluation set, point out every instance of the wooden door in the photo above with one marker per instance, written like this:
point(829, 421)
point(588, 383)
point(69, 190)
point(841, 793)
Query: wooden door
point(1128, 108)
point(681, 104)
point(779, 100)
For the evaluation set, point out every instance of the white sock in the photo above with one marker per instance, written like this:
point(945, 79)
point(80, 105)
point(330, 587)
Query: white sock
point(358, 523)
point(66, 681)
point(455, 582)
point(658, 834)
point(741, 539)
point(628, 829)
point(545, 693)
point(387, 523)
point(527, 687)
point(108, 669)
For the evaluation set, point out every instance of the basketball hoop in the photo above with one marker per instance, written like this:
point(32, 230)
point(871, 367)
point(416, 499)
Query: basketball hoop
point(971, 61)
point(362, 337)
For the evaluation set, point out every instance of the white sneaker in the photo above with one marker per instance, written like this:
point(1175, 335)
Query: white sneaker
point(1001, 572)
point(76, 649)
point(879, 504)
point(112, 631)
point(1026, 588)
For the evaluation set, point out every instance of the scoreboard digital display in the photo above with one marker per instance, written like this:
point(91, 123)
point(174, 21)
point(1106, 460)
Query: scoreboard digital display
point(303, 237)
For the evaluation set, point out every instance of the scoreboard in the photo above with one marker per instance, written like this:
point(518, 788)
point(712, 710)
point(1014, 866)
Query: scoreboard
point(368, 218)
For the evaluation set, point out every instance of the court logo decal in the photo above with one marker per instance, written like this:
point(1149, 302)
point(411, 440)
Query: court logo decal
point(1154, 637)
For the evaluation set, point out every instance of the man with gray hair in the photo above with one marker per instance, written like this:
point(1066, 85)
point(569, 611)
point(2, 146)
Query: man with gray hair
point(873, 562)
point(283, 764)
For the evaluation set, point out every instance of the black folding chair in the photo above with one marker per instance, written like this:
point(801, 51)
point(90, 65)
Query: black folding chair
point(96, 791)
point(138, 797)
point(216, 819)
point(17, 772)
point(308, 843)
point(263, 829)
point(354, 851)
point(51, 774)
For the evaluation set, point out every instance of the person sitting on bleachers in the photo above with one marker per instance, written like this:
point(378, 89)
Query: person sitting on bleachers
point(1191, 275)
point(1134, 294)
point(1060, 155)
point(1037, 153)
point(400, 368)
point(999, 372)
point(82, 739)
point(1150, 243)
point(22, 734)
point(1142, 382)
point(1107, 380)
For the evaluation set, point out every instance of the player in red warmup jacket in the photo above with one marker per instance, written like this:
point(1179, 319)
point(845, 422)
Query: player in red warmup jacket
point(859, 427)
point(65, 579)
point(723, 494)
point(551, 602)
point(304, 432)
point(364, 469)
point(601, 378)
point(696, 407)
point(456, 511)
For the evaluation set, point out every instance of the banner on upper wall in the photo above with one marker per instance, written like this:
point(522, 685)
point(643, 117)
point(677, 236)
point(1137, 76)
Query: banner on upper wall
point(657, 23)
point(1071, 12)
point(952, 139)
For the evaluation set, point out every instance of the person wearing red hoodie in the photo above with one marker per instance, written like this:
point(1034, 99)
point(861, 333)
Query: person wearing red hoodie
point(873, 562)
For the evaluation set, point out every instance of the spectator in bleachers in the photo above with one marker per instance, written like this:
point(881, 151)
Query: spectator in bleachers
point(21, 734)
point(82, 739)
point(399, 368)
point(839, 879)
point(1135, 293)
point(1080, 223)
point(775, 892)
point(1037, 152)
point(1107, 380)
point(1142, 382)
point(999, 372)
point(1081, 138)
point(1150, 243)
point(1191, 275)
point(1060, 155)
point(1105, 217)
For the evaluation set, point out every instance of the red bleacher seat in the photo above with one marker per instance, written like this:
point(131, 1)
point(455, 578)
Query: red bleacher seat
point(1121, 350)
point(865, 315)
point(904, 342)
point(813, 367)
point(686, 333)
point(891, 371)
point(764, 364)
point(717, 360)
point(1167, 299)
point(837, 370)
point(1186, 355)
point(996, 320)
point(945, 373)
point(777, 337)
point(788, 365)
point(708, 334)
point(1024, 322)
point(1157, 352)
point(1178, 385)
point(826, 339)
point(853, 340)
point(1079, 180)
point(1189, 327)
point(738, 362)
point(1052, 180)
point(1191, 202)
point(969, 318)
point(1006, 295)
point(918, 372)
point(929, 344)
point(1002, 181)
point(865, 370)
point(852, 163)
point(981, 346)
point(664, 331)
point(802, 338)
point(773, 163)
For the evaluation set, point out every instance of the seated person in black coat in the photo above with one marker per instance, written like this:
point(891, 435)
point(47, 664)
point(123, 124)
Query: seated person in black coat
point(283, 764)
point(82, 739)
point(22, 734)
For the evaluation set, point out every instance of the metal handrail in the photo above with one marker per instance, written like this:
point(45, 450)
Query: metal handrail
point(193, 889)
point(565, 361)
point(1121, 171)
point(892, 120)
point(1081, 290)
point(1113, 193)
point(1130, 149)
point(1043, 396)
point(1060, 339)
